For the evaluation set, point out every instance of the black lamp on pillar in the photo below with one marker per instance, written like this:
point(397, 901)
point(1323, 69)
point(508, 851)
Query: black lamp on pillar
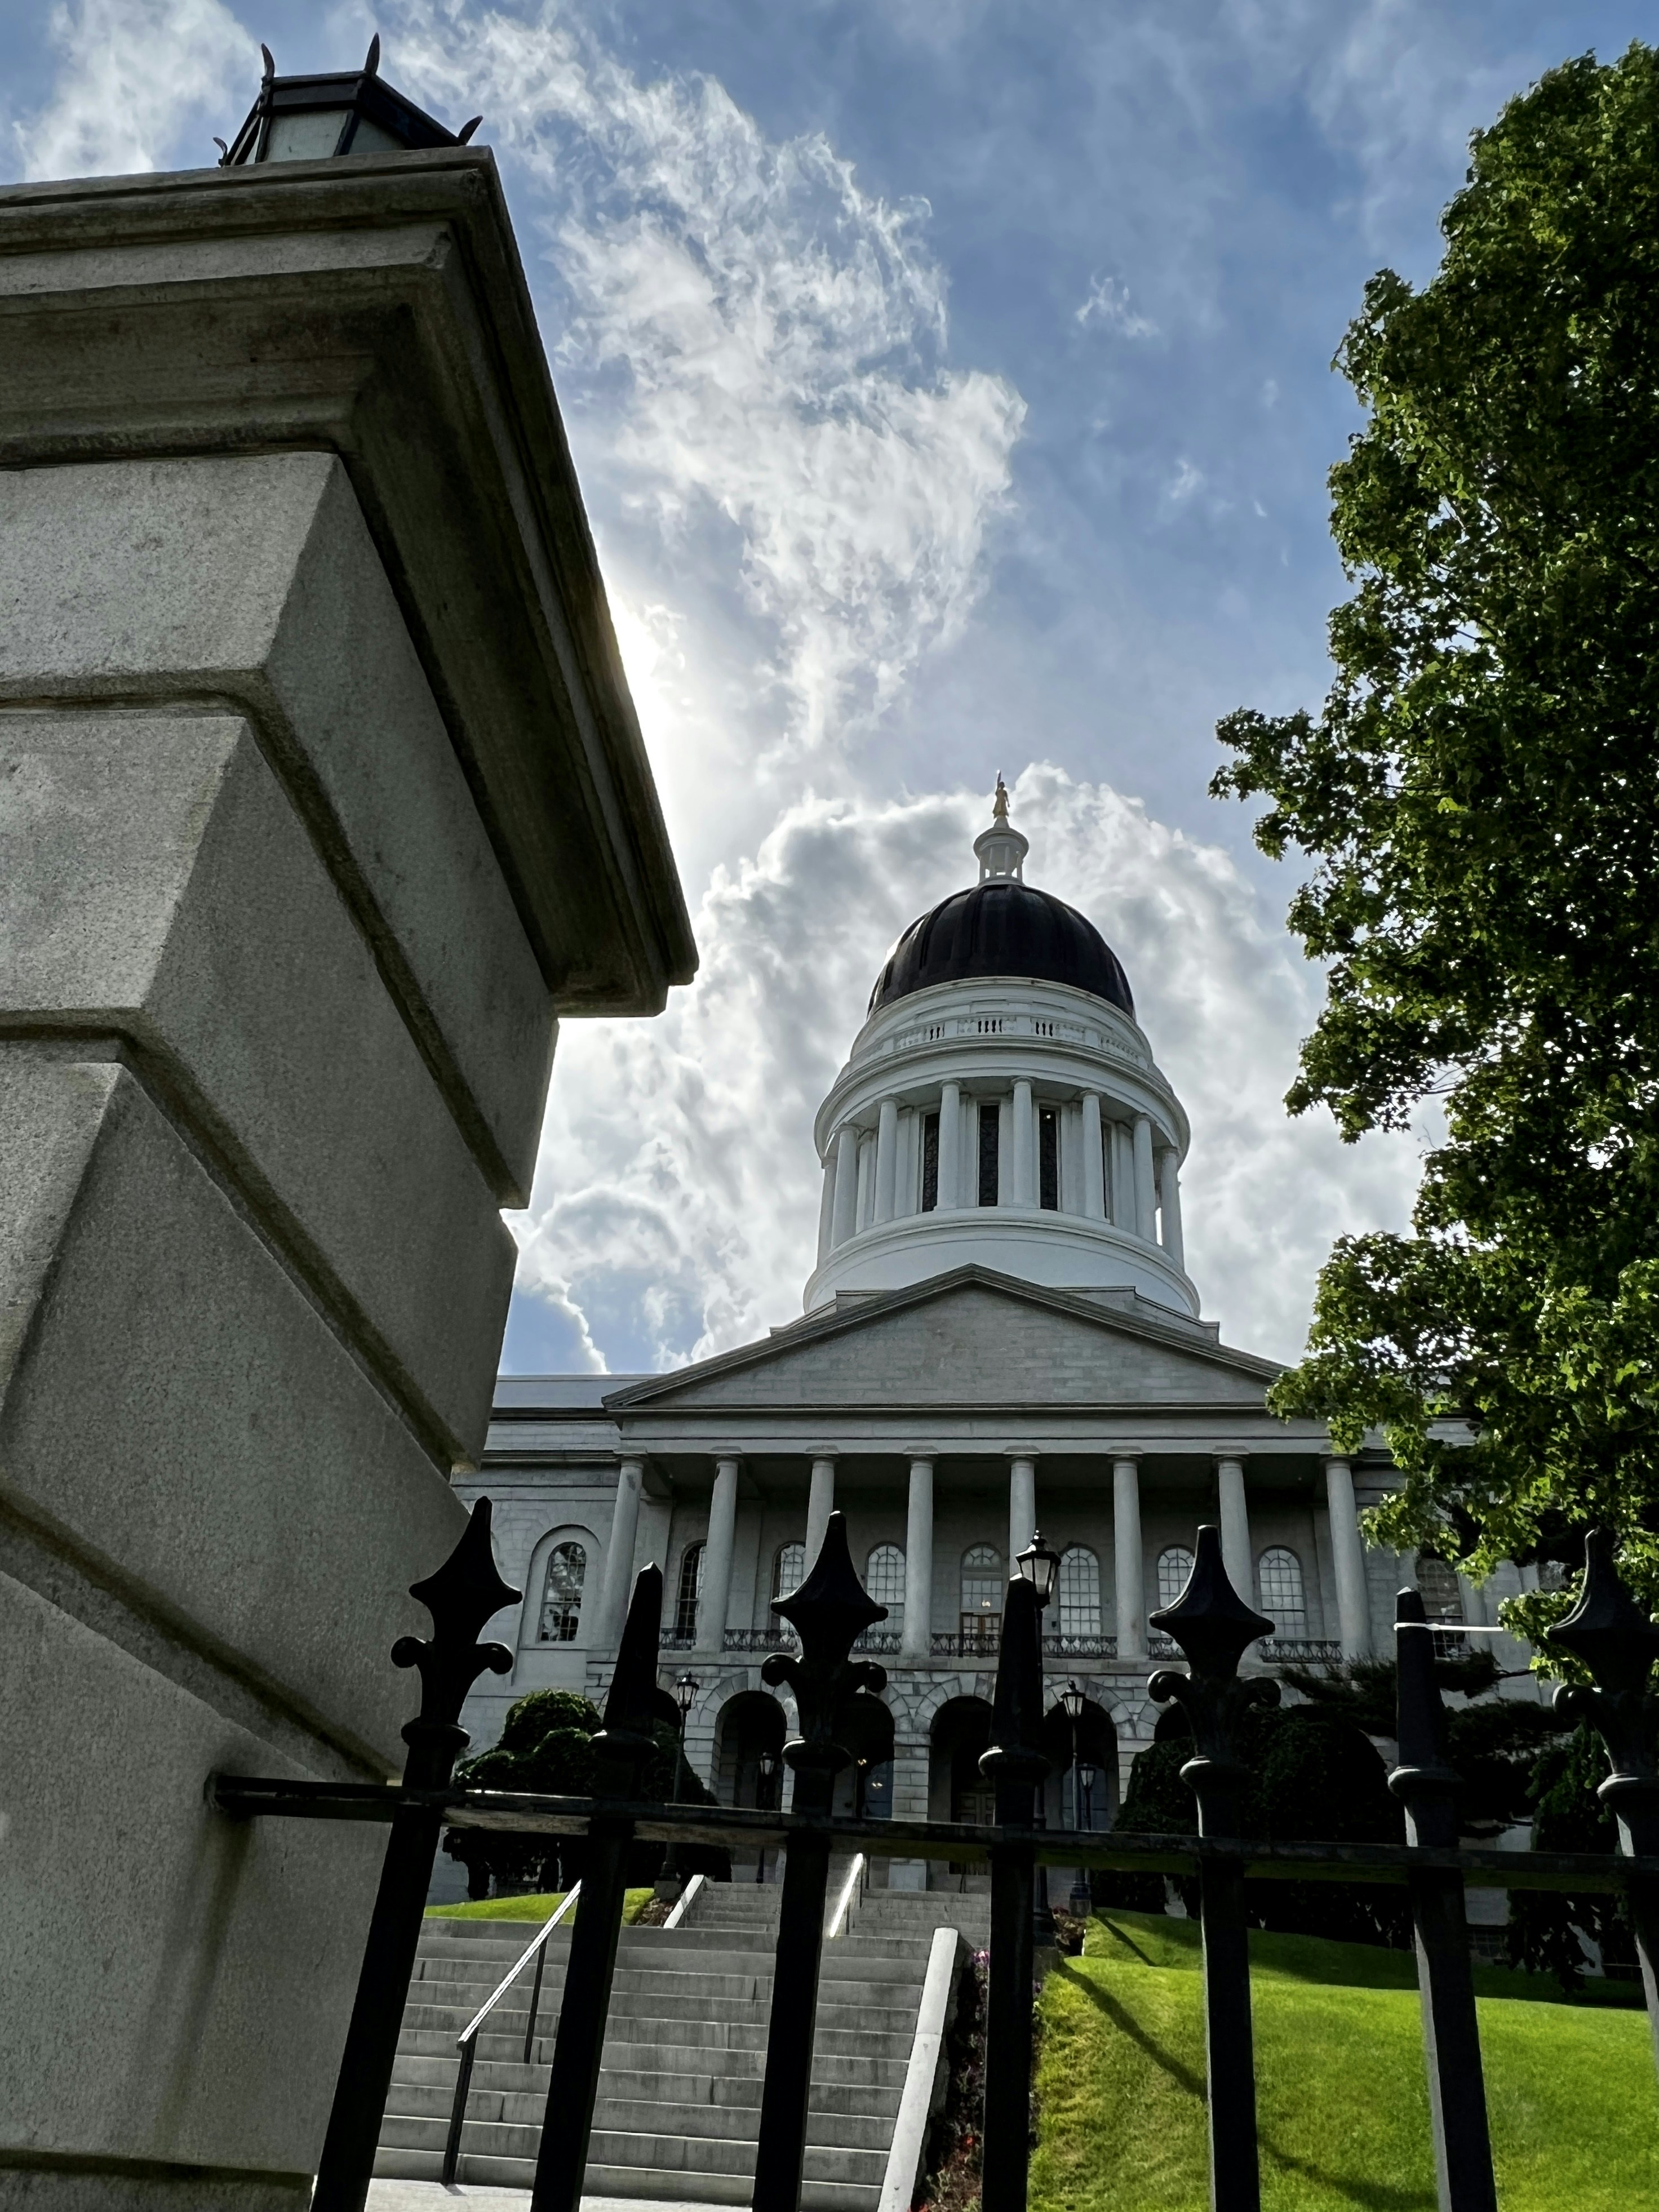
point(311, 118)
point(1040, 1566)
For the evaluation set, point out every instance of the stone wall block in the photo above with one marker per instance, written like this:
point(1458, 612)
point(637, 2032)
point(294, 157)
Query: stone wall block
point(255, 579)
point(177, 1414)
point(144, 1929)
point(159, 884)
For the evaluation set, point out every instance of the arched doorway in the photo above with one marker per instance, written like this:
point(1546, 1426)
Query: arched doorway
point(956, 1790)
point(865, 1788)
point(749, 1726)
point(1094, 1805)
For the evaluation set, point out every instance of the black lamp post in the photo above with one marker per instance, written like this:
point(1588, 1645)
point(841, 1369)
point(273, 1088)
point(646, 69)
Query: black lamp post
point(312, 119)
point(1040, 1566)
point(769, 1767)
point(1073, 1699)
point(684, 1691)
point(671, 1880)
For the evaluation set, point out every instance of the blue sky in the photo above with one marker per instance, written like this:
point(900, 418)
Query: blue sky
point(950, 385)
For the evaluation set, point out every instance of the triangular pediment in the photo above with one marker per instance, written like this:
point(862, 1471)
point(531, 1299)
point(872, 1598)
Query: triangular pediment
point(972, 1337)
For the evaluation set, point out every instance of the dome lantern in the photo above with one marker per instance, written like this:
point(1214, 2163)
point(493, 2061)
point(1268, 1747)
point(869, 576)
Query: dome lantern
point(1001, 849)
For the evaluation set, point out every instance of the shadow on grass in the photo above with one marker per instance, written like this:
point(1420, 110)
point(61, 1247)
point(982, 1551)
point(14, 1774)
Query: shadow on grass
point(1103, 2001)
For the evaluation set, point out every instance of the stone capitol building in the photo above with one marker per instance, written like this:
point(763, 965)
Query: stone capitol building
point(999, 1335)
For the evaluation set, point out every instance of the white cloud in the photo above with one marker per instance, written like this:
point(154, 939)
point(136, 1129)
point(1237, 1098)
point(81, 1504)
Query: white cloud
point(136, 74)
point(1107, 303)
point(762, 341)
point(677, 1204)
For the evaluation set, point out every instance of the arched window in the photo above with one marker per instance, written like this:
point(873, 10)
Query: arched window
point(1079, 1593)
point(689, 1593)
point(561, 1592)
point(884, 1577)
point(982, 1593)
point(1173, 1568)
point(1437, 1582)
point(788, 1569)
point(1282, 1596)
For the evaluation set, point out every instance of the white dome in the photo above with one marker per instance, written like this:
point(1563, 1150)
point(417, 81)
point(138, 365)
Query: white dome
point(1015, 1122)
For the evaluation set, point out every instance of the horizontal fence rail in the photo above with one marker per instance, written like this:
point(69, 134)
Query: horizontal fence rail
point(831, 1616)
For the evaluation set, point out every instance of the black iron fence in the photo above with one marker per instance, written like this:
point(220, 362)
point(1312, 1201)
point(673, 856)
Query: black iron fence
point(1614, 1641)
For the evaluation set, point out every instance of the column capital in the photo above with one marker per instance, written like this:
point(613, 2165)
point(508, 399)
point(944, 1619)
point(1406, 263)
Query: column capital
point(1330, 1459)
point(822, 1451)
point(727, 1456)
point(1238, 1452)
point(1131, 1453)
point(929, 1452)
point(1022, 1451)
point(631, 1459)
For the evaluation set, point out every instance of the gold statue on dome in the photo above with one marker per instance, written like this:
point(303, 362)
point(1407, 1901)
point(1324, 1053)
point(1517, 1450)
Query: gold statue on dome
point(999, 805)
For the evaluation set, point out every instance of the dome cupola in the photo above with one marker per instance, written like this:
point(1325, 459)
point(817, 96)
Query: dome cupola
point(1001, 1104)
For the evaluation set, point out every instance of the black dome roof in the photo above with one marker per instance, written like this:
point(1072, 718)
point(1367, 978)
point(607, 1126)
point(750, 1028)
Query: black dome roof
point(1003, 928)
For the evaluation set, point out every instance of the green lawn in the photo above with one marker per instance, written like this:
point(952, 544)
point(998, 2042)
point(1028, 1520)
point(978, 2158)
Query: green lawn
point(1341, 2086)
point(531, 1909)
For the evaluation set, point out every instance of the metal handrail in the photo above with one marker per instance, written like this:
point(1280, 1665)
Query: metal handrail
point(466, 2042)
point(844, 1904)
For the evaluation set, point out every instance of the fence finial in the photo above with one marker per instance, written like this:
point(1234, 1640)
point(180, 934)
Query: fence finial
point(464, 1593)
point(1612, 1635)
point(829, 1612)
point(1214, 1627)
point(625, 1743)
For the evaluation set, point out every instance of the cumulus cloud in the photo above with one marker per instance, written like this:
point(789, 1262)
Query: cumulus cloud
point(140, 83)
point(764, 340)
point(677, 1206)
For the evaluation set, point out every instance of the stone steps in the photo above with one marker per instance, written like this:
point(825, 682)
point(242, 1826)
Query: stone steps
point(677, 2112)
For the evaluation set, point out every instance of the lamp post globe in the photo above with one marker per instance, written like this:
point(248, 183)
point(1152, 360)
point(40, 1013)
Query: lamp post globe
point(1040, 1565)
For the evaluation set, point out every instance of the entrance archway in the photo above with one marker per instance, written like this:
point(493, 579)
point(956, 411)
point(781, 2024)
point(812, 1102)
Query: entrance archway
point(956, 1790)
point(748, 1725)
point(1096, 1751)
point(865, 1787)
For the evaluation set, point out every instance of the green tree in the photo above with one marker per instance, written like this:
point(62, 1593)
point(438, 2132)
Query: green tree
point(1478, 799)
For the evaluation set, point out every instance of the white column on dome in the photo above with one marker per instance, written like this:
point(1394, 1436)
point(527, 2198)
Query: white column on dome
point(1146, 1220)
point(949, 1148)
point(827, 1208)
point(907, 1177)
point(1022, 1504)
point(886, 1158)
point(845, 1217)
point(867, 1177)
point(1236, 1553)
point(917, 1641)
point(717, 1559)
point(1123, 1189)
point(1127, 1564)
point(1004, 1152)
point(1168, 1199)
point(820, 1504)
point(619, 1554)
point(1024, 1146)
point(1094, 1165)
point(1348, 1551)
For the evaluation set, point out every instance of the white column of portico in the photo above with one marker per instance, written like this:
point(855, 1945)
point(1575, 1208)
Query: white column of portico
point(1021, 1500)
point(1093, 1163)
point(1127, 1572)
point(1024, 1190)
point(1121, 1203)
point(1146, 1221)
point(820, 1502)
point(845, 1215)
point(886, 1157)
point(1168, 1199)
point(1236, 1554)
point(1348, 1551)
point(827, 1209)
point(717, 1559)
point(949, 1148)
point(917, 1641)
point(619, 1554)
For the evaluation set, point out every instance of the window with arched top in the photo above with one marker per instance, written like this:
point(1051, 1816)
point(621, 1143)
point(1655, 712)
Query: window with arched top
point(561, 1594)
point(1436, 1582)
point(689, 1591)
point(788, 1569)
point(1284, 1600)
point(1079, 1592)
point(884, 1577)
point(981, 1591)
point(1173, 1566)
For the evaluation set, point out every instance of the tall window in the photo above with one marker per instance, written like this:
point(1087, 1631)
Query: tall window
point(690, 1589)
point(1283, 1599)
point(1048, 1158)
point(981, 1593)
point(1173, 1568)
point(561, 1592)
point(1079, 1592)
point(788, 1569)
point(1443, 1600)
point(990, 1126)
point(929, 1162)
point(884, 1577)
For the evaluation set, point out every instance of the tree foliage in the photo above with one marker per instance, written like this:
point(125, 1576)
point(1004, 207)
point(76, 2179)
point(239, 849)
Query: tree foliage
point(1479, 798)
